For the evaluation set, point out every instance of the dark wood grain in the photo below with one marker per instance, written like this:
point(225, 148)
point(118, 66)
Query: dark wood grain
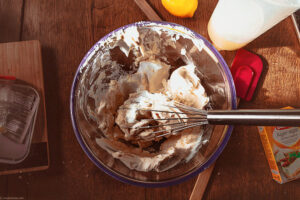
point(3, 186)
point(67, 29)
point(11, 17)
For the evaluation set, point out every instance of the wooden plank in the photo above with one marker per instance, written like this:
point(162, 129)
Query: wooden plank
point(23, 60)
point(3, 187)
point(147, 10)
point(22, 185)
point(201, 183)
point(67, 29)
point(66, 35)
point(175, 192)
point(108, 15)
point(10, 23)
point(11, 14)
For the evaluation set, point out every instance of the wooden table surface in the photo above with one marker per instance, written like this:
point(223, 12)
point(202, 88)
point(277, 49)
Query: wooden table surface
point(67, 29)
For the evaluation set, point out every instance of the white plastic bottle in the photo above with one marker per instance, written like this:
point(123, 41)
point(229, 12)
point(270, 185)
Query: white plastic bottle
point(235, 23)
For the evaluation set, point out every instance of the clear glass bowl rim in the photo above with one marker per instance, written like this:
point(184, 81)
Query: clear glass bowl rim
point(173, 181)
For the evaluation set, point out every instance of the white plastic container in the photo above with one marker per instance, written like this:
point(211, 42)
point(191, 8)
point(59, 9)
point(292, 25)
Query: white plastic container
point(18, 110)
point(235, 23)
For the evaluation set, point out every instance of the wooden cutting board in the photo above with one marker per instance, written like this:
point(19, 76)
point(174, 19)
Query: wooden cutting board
point(23, 60)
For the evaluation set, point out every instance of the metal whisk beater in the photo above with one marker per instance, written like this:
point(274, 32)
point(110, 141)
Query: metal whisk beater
point(197, 117)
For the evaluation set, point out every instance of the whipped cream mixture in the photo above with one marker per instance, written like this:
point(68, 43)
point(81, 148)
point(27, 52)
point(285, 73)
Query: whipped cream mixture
point(146, 68)
point(150, 88)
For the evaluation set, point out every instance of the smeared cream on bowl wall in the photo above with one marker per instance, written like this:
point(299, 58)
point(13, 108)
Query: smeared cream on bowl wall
point(134, 70)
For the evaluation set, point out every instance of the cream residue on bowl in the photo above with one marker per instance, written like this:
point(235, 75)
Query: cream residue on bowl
point(134, 69)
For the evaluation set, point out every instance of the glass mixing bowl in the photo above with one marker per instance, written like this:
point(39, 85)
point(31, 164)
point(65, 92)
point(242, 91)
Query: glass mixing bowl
point(175, 45)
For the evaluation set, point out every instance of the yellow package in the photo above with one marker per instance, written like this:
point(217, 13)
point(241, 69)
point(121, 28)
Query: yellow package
point(282, 148)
